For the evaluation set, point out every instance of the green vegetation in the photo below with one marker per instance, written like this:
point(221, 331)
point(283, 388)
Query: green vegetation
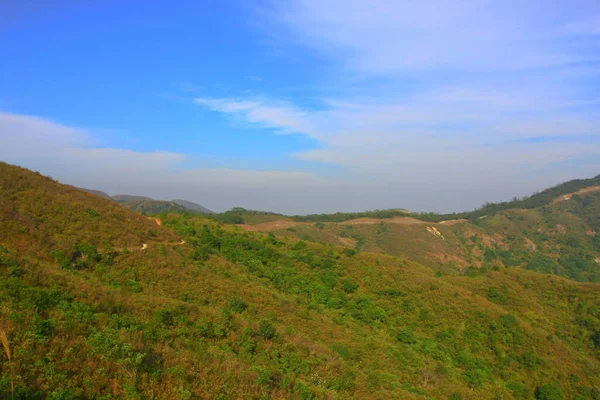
point(233, 314)
point(153, 207)
point(561, 238)
point(238, 215)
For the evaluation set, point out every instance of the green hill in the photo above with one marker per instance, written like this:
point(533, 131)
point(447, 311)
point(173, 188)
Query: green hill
point(540, 199)
point(147, 205)
point(205, 310)
point(562, 236)
point(190, 205)
point(152, 207)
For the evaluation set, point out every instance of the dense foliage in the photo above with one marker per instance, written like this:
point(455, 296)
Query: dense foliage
point(152, 207)
point(233, 314)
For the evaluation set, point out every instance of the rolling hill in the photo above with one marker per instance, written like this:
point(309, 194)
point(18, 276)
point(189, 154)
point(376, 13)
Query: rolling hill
point(560, 236)
point(97, 301)
point(190, 205)
point(147, 205)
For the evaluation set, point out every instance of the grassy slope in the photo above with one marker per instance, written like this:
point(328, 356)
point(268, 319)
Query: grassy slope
point(37, 214)
point(153, 207)
point(232, 314)
point(561, 238)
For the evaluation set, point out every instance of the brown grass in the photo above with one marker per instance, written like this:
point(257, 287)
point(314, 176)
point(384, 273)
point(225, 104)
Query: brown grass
point(5, 345)
point(4, 341)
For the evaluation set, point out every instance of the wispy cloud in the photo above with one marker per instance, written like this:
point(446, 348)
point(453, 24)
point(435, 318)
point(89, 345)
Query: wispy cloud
point(436, 104)
point(278, 115)
point(388, 36)
point(466, 96)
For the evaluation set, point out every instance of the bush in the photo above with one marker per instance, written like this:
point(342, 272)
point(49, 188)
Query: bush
point(349, 286)
point(596, 339)
point(237, 305)
point(135, 286)
point(45, 328)
point(349, 252)
point(406, 336)
point(164, 317)
point(549, 391)
point(266, 330)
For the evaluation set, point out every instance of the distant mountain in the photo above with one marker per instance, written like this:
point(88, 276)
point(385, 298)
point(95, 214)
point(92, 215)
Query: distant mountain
point(129, 197)
point(153, 206)
point(147, 205)
point(97, 193)
point(190, 205)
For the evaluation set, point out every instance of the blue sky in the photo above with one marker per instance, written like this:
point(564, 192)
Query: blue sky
point(303, 105)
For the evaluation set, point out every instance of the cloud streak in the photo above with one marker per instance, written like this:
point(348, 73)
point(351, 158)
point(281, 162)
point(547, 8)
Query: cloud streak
point(390, 36)
point(279, 115)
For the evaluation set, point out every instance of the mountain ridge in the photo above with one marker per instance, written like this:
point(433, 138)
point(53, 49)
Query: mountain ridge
point(148, 205)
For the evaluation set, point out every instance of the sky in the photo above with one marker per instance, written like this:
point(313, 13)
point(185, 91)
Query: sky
point(303, 106)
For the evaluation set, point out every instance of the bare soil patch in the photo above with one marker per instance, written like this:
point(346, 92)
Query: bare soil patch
point(568, 196)
point(451, 222)
point(372, 221)
point(271, 226)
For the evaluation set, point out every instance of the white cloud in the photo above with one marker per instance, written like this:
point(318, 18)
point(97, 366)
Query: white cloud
point(384, 36)
point(69, 154)
point(453, 103)
point(412, 176)
point(277, 115)
point(23, 135)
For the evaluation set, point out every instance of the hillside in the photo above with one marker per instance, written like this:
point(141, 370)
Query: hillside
point(123, 198)
point(153, 207)
point(561, 237)
point(97, 193)
point(190, 205)
point(206, 310)
point(147, 205)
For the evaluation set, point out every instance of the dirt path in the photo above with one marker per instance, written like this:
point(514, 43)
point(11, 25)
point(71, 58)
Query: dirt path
point(372, 221)
point(285, 224)
point(145, 246)
point(451, 222)
point(272, 226)
point(568, 196)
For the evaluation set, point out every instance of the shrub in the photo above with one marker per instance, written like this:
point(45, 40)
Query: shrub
point(549, 391)
point(237, 305)
point(596, 339)
point(164, 317)
point(135, 286)
point(349, 286)
point(349, 252)
point(45, 328)
point(266, 330)
point(406, 336)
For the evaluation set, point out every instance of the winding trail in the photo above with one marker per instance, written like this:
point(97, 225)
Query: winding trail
point(285, 224)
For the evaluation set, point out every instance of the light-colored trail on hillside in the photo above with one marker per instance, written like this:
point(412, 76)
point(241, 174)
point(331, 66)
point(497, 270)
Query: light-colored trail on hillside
point(286, 224)
point(451, 222)
point(568, 196)
point(395, 220)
